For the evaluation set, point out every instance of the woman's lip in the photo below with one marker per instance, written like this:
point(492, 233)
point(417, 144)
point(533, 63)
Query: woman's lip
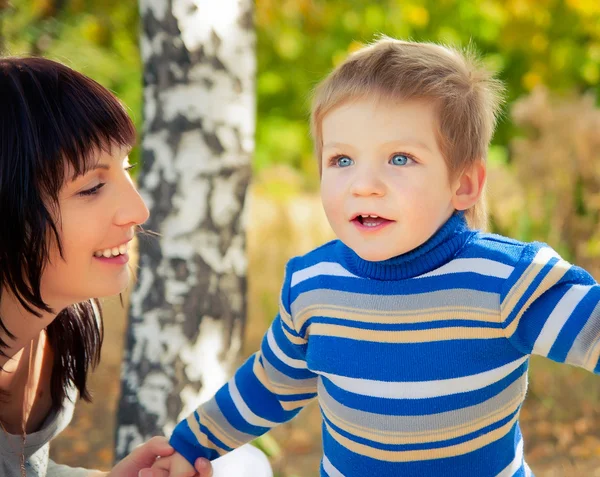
point(116, 246)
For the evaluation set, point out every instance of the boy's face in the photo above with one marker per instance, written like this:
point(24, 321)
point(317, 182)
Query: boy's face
point(385, 185)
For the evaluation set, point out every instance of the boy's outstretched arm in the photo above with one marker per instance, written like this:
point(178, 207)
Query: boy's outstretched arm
point(270, 388)
point(552, 308)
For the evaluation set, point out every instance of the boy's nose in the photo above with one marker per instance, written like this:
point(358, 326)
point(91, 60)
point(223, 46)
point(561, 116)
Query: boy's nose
point(368, 183)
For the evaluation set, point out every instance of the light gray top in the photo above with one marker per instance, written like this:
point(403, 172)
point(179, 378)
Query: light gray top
point(38, 463)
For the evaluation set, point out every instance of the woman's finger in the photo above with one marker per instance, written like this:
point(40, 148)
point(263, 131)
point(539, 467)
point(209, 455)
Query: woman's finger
point(157, 445)
point(153, 473)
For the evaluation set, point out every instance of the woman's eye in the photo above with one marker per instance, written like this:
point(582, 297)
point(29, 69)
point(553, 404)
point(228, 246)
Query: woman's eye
point(128, 167)
point(400, 159)
point(93, 190)
point(343, 161)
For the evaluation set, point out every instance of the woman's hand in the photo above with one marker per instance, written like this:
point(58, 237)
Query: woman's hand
point(142, 457)
point(138, 463)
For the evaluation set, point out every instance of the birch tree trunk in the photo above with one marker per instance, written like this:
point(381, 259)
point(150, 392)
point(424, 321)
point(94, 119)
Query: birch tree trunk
point(188, 307)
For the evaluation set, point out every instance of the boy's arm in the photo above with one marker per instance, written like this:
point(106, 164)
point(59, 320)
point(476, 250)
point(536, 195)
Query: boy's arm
point(270, 388)
point(552, 308)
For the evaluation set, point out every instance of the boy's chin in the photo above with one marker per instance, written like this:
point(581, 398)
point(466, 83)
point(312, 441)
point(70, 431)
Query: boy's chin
point(374, 255)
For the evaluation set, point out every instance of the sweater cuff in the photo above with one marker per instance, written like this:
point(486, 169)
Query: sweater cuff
point(189, 448)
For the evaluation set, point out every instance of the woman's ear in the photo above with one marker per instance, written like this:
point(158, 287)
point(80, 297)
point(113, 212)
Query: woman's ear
point(468, 186)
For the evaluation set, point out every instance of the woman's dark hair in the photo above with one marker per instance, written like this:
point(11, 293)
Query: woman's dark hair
point(50, 117)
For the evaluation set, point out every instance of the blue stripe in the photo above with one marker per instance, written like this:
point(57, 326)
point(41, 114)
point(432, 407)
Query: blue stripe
point(258, 398)
point(291, 350)
point(487, 461)
point(429, 325)
point(233, 416)
point(573, 326)
point(409, 361)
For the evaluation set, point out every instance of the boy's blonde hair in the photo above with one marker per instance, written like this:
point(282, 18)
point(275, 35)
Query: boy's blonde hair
point(467, 97)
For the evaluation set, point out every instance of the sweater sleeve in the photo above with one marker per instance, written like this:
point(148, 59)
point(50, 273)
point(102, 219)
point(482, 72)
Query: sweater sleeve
point(551, 308)
point(270, 388)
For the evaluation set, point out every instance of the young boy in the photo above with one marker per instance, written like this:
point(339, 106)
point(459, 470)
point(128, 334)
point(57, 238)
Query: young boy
point(413, 329)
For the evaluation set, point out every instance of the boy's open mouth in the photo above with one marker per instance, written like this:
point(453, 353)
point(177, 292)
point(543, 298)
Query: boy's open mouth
point(370, 220)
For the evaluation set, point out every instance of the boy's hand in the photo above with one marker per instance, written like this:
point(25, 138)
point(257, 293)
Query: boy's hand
point(177, 466)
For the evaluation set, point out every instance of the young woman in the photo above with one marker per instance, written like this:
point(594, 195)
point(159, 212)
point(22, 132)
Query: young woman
point(69, 212)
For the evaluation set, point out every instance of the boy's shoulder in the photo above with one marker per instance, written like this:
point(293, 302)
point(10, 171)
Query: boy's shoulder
point(323, 253)
point(500, 248)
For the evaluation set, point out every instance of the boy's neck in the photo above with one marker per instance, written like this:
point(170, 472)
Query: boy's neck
point(435, 252)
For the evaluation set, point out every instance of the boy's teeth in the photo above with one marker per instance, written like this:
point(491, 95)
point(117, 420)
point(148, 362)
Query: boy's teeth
point(372, 221)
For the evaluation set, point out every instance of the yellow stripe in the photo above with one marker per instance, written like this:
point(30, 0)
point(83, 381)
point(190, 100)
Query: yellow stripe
point(293, 338)
point(551, 279)
point(425, 454)
point(529, 275)
point(512, 297)
point(395, 437)
point(201, 437)
point(412, 336)
point(408, 316)
point(218, 431)
point(285, 316)
point(292, 405)
point(277, 388)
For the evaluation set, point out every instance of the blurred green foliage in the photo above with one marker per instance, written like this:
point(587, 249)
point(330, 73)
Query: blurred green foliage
point(528, 42)
point(98, 38)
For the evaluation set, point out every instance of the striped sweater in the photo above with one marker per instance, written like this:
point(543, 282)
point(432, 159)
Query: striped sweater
point(419, 363)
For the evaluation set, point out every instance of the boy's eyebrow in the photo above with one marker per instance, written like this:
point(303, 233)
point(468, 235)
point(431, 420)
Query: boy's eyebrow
point(335, 144)
point(411, 142)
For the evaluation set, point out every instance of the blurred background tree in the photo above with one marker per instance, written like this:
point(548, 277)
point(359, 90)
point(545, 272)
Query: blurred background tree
point(544, 163)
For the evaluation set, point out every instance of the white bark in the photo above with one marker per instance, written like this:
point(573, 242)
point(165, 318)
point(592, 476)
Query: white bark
point(188, 307)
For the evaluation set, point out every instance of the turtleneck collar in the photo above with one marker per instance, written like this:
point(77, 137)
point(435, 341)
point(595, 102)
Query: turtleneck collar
point(435, 252)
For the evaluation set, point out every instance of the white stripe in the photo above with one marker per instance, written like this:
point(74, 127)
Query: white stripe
point(423, 389)
point(293, 362)
point(545, 254)
point(527, 470)
point(558, 318)
point(322, 268)
point(481, 266)
point(244, 410)
point(330, 469)
point(516, 463)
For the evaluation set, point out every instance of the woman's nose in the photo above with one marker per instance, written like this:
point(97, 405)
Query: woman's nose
point(132, 210)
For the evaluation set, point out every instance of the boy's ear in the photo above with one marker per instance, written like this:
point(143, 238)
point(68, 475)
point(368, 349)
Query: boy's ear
point(468, 186)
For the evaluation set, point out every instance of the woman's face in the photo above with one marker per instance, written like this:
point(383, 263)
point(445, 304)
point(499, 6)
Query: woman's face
point(97, 216)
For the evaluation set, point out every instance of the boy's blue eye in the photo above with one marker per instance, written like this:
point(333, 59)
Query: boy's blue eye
point(400, 159)
point(344, 161)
